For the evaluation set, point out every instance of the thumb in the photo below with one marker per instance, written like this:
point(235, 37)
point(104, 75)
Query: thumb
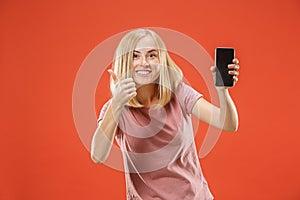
point(113, 75)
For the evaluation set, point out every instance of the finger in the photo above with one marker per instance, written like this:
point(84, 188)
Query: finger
point(128, 86)
point(130, 91)
point(133, 95)
point(235, 79)
point(213, 68)
point(130, 96)
point(113, 75)
point(126, 81)
point(233, 66)
point(235, 61)
point(233, 72)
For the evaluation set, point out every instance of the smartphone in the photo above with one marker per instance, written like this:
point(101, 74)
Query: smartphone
point(223, 57)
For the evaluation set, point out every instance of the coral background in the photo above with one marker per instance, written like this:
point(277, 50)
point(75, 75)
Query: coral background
point(43, 44)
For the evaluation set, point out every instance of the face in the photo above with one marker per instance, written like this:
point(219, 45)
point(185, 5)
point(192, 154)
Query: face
point(145, 62)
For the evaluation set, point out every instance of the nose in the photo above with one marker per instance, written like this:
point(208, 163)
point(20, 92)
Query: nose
point(144, 61)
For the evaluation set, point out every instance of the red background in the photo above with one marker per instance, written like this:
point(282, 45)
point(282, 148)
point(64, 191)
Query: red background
point(43, 44)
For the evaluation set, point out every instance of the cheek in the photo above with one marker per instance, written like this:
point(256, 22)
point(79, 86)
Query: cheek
point(134, 64)
point(157, 67)
point(156, 70)
point(154, 61)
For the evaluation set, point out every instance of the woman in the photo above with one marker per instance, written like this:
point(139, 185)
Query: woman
point(149, 114)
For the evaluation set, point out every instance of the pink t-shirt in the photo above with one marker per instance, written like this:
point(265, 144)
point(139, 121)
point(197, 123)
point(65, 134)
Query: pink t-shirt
point(159, 151)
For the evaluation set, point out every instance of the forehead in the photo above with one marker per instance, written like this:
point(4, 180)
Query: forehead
point(146, 43)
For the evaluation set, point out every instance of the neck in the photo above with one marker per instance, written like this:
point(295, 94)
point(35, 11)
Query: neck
point(147, 95)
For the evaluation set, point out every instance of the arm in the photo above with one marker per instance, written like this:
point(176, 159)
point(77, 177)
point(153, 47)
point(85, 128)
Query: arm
point(103, 137)
point(225, 117)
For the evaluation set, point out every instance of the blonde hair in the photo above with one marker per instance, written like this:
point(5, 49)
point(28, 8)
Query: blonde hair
point(170, 74)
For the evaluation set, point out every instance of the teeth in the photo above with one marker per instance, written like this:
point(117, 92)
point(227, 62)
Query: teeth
point(143, 72)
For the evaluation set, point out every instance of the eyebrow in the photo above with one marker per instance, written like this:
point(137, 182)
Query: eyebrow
point(135, 51)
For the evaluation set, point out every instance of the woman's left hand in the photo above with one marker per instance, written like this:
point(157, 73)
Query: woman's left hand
point(233, 70)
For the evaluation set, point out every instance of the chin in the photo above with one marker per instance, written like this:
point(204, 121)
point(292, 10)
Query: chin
point(139, 84)
point(145, 82)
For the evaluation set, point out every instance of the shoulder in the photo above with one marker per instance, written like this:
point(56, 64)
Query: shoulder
point(184, 90)
point(187, 96)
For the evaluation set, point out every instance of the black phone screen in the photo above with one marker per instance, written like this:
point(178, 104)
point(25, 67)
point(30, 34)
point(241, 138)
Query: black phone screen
point(223, 57)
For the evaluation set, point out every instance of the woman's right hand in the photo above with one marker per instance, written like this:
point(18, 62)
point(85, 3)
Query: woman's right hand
point(124, 91)
point(104, 135)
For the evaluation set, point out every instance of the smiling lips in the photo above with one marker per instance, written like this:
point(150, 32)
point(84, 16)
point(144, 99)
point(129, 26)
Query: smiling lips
point(143, 72)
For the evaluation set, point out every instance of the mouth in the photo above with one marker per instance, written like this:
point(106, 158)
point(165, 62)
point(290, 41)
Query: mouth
point(143, 72)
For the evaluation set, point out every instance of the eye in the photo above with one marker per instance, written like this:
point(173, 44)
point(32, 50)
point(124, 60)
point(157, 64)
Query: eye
point(153, 55)
point(135, 56)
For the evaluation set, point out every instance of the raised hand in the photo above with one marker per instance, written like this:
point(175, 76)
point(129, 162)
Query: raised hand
point(233, 70)
point(124, 91)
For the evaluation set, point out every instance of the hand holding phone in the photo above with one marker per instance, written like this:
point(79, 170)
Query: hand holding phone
point(224, 57)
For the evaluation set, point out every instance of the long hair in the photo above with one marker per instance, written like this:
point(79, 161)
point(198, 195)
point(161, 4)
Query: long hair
point(170, 74)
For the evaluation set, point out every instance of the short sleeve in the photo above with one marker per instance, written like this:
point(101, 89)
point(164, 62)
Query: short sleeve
point(103, 111)
point(187, 97)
